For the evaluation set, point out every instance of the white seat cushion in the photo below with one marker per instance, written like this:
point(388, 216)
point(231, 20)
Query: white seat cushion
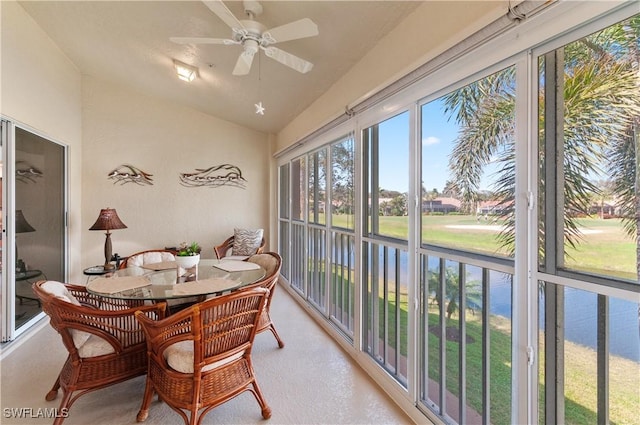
point(180, 357)
point(94, 346)
point(266, 261)
point(58, 290)
point(149, 258)
point(88, 345)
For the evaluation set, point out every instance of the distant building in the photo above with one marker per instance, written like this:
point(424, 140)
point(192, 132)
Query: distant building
point(441, 205)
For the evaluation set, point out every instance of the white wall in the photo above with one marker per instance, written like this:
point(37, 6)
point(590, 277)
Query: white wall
point(41, 88)
point(124, 127)
point(428, 31)
point(106, 126)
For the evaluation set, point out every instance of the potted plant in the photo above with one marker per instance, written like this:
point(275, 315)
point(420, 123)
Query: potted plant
point(188, 256)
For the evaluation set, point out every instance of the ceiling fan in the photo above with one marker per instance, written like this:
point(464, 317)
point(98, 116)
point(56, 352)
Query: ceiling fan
point(253, 36)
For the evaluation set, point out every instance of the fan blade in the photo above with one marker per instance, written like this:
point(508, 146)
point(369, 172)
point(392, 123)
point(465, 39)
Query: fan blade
point(202, 40)
point(291, 31)
point(223, 13)
point(288, 59)
point(243, 65)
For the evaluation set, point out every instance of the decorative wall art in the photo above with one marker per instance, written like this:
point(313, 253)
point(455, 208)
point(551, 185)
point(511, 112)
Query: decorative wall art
point(26, 172)
point(216, 176)
point(126, 173)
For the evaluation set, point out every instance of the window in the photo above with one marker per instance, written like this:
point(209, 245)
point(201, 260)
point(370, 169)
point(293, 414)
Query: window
point(317, 186)
point(387, 155)
point(594, 156)
point(343, 262)
point(342, 183)
point(589, 198)
point(447, 296)
point(284, 215)
point(467, 207)
point(298, 189)
point(468, 179)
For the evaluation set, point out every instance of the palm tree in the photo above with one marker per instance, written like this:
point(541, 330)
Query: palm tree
point(601, 95)
point(472, 288)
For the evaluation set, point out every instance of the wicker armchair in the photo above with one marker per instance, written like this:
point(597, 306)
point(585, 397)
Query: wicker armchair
point(200, 357)
point(105, 342)
point(226, 248)
point(154, 256)
point(148, 257)
point(271, 262)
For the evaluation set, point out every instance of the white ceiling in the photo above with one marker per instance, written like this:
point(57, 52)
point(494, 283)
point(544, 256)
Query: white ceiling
point(127, 43)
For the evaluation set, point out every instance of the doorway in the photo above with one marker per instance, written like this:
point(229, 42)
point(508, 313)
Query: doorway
point(32, 170)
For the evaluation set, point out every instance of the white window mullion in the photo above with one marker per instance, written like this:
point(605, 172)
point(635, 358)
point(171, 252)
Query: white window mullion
point(521, 399)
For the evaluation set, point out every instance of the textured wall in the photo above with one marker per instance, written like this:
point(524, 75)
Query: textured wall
point(41, 88)
point(121, 126)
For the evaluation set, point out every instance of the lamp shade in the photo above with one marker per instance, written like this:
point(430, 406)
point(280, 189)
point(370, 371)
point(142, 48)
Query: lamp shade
point(22, 225)
point(108, 220)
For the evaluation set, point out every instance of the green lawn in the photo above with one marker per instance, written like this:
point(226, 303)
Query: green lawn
point(605, 249)
point(580, 370)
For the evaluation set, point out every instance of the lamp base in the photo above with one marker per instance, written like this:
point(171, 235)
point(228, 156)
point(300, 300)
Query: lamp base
point(109, 267)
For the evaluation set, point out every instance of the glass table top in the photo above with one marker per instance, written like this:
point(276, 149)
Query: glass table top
point(209, 277)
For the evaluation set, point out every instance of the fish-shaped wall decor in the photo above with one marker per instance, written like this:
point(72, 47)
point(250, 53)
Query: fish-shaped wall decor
point(216, 176)
point(126, 173)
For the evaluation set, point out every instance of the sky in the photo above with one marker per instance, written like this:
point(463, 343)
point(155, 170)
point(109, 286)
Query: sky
point(438, 137)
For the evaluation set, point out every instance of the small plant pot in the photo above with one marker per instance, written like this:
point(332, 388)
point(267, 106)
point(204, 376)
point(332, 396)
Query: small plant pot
point(188, 261)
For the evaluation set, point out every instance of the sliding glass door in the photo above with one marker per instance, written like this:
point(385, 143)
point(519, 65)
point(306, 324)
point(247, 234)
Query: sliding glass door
point(33, 223)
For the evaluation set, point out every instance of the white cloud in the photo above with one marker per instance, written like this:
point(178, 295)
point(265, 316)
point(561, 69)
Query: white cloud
point(431, 140)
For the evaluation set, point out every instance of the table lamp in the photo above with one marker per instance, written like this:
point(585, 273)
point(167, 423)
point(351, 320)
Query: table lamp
point(108, 220)
point(22, 226)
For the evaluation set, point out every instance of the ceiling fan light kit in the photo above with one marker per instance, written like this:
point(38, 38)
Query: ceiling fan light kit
point(253, 37)
point(185, 72)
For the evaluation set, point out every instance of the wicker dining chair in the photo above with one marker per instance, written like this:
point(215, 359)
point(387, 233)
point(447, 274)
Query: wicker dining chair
point(225, 249)
point(148, 257)
point(271, 262)
point(105, 342)
point(200, 357)
point(154, 256)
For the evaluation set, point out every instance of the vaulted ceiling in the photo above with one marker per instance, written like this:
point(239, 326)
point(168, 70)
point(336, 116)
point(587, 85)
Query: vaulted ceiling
point(127, 43)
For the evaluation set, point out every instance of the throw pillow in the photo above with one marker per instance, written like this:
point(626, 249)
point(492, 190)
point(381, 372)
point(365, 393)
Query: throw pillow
point(246, 242)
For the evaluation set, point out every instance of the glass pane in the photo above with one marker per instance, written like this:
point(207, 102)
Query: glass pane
point(317, 186)
point(285, 183)
point(39, 218)
point(298, 188)
point(452, 332)
point(468, 178)
point(624, 361)
point(342, 280)
point(388, 177)
point(298, 253)
point(580, 357)
point(474, 343)
point(387, 308)
point(342, 184)
point(500, 324)
point(316, 281)
point(283, 244)
point(434, 321)
point(597, 154)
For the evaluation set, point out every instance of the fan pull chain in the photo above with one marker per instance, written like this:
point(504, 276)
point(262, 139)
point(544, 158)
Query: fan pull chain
point(259, 107)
